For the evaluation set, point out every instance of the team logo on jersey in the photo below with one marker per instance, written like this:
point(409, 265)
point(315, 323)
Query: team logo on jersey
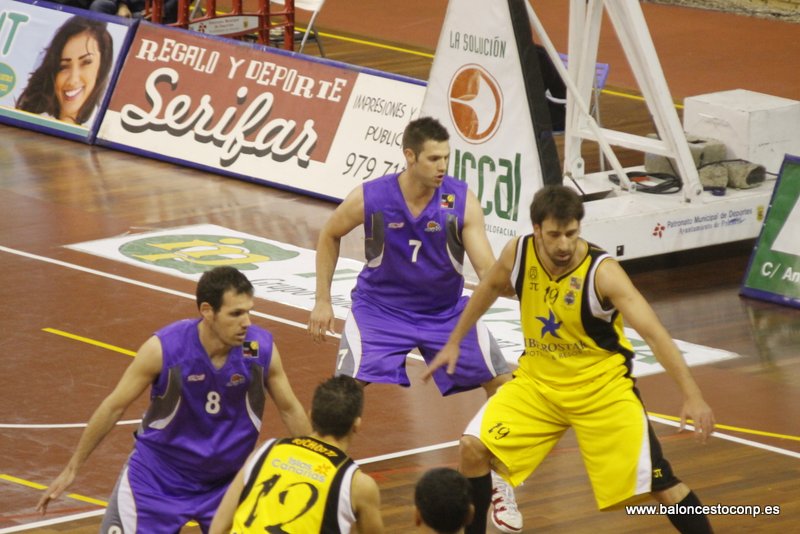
point(575, 283)
point(250, 349)
point(533, 273)
point(550, 325)
point(447, 201)
point(433, 226)
point(396, 225)
point(569, 298)
point(196, 378)
point(235, 380)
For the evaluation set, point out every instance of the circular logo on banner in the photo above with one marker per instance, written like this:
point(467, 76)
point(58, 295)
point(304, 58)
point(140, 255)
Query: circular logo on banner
point(476, 103)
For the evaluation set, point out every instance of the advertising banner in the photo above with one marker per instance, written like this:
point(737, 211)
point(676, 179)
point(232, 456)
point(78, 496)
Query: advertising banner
point(57, 66)
point(258, 113)
point(774, 270)
point(484, 85)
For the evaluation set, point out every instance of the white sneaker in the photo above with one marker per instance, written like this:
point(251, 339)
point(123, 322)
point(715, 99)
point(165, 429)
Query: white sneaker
point(505, 515)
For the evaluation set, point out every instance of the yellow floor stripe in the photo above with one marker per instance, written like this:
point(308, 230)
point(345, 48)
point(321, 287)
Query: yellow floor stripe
point(733, 428)
point(89, 341)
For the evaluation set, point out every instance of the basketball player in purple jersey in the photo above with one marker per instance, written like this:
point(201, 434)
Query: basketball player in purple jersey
point(208, 378)
point(418, 226)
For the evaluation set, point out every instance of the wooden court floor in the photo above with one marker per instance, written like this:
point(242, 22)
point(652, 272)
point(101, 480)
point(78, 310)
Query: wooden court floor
point(57, 303)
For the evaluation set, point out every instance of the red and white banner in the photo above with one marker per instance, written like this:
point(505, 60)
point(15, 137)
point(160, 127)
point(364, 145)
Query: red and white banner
point(318, 127)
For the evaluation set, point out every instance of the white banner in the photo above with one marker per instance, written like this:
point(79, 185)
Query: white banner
point(285, 274)
point(477, 90)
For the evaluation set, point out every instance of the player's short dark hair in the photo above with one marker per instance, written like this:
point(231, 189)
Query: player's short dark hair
point(214, 283)
point(443, 497)
point(337, 403)
point(423, 129)
point(558, 202)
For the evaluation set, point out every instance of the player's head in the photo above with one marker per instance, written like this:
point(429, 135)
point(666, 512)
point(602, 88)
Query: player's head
point(419, 131)
point(444, 501)
point(225, 298)
point(556, 202)
point(214, 283)
point(337, 406)
point(556, 214)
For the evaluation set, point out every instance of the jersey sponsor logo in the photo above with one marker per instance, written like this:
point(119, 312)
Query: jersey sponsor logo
point(196, 378)
point(433, 226)
point(395, 225)
point(235, 380)
point(550, 325)
point(298, 467)
point(315, 446)
point(476, 103)
point(575, 283)
point(250, 349)
point(447, 201)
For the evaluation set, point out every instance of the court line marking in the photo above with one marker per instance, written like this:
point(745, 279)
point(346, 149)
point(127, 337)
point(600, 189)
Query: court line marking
point(125, 280)
point(192, 297)
point(89, 341)
point(366, 461)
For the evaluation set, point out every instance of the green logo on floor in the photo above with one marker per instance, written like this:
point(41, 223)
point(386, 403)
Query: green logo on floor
point(192, 253)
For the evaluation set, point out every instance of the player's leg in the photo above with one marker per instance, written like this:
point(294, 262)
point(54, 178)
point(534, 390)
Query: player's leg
point(481, 363)
point(137, 505)
point(678, 495)
point(623, 457)
point(374, 346)
point(510, 435)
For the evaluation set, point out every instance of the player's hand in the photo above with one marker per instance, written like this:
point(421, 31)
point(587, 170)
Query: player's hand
point(321, 321)
point(701, 415)
point(58, 486)
point(447, 356)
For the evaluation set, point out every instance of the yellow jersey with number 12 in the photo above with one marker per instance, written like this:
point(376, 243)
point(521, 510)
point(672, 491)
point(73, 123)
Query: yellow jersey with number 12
point(571, 340)
point(297, 486)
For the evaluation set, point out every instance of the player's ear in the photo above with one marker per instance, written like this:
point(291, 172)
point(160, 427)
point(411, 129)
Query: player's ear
point(418, 517)
point(356, 424)
point(206, 310)
point(470, 515)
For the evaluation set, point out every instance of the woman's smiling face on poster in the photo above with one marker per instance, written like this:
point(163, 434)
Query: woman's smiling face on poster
point(77, 74)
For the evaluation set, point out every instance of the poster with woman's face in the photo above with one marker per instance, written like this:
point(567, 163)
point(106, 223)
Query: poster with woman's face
point(56, 66)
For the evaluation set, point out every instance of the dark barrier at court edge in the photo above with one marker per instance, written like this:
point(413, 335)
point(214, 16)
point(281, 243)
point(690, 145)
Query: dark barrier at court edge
point(258, 113)
point(773, 273)
point(58, 66)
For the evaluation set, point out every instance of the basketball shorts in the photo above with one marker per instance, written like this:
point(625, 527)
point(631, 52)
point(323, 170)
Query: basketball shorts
point(524, 420)
point(152, 500)
point(376, 341)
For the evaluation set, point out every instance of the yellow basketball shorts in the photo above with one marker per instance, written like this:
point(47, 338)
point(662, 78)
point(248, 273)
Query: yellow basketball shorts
point(524, 420)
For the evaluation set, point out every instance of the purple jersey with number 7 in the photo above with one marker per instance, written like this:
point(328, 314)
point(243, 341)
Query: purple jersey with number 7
point(413, 263)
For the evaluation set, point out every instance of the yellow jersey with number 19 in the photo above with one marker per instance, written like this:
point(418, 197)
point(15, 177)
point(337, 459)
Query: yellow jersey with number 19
point(298, 486)
point(571, 340)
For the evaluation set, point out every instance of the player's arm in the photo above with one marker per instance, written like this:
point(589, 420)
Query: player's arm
point(348, 215)
point(476, 243)
point(491, 286)
point(366, 503)
point(614, 285)
point(137, 377)
point(291, 411)
point(223, 517)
